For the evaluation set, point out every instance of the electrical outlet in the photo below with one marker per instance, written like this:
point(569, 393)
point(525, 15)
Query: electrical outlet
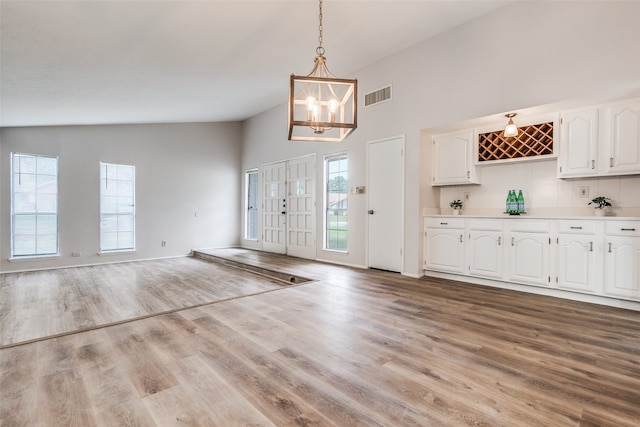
point(467, 195)
point(584, 192)
point(163, 243)
point(75, 254)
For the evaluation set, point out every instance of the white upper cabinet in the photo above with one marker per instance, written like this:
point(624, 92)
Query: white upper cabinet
point(624, 134)
point(453, 158)
point(601, 140)
point(578, 143)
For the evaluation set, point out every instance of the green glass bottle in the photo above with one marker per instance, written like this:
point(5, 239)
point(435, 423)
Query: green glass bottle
point(511, 201)
point(507, 206)
point(520, 201)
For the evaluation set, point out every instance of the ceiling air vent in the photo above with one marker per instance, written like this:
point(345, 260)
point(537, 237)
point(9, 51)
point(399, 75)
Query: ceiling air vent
point(377, 96)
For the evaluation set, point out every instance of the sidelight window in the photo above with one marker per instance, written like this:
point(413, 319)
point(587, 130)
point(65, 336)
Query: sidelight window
point(336, 202)
point(251, 199)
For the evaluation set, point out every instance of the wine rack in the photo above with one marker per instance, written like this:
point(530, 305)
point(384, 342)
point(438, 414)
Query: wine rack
point(531, 141)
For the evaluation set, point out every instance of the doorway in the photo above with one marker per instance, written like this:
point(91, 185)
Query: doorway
point(289, 206)
point(385, 177)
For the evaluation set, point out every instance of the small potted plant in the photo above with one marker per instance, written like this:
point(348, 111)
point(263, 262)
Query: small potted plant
point(600, 203)
point(456, 205)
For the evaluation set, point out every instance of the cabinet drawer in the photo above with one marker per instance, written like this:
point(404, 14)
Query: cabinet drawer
point(486, 224)
point(529, 226)
point(576, 227)
point(444, 222)
point(623, 228)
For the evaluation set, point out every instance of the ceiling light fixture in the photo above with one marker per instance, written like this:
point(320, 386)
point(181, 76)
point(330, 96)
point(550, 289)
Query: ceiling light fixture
point(322, 107)
point(511, 129)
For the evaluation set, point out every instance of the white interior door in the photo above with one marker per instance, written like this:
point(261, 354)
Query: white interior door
point(386, 204)
point(274, 202)
point(301, 202)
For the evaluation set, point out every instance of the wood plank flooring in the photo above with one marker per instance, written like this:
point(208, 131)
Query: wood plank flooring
point(40, 304)
point(354, 348)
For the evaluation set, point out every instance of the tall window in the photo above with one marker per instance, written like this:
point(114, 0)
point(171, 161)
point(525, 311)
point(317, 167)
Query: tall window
point(336, 200)
point(251, 198)
point(34, 205)
point(117, 207)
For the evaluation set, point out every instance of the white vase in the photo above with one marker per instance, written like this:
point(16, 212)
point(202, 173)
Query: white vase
point(456, 211)
point(599, 211)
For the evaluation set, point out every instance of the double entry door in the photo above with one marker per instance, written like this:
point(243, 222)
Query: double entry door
point(289, 206)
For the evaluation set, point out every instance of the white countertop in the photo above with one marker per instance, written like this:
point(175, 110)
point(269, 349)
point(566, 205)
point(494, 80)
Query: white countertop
point(547, 217)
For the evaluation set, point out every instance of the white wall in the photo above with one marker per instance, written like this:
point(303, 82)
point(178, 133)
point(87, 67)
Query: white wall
point(524, 55)
point(181, 170)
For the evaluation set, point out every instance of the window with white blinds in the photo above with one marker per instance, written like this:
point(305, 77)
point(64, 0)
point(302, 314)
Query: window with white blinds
point(34, 206)
point(117, 207)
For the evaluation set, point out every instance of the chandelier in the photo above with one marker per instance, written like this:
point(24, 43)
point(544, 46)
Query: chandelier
point(322, 107)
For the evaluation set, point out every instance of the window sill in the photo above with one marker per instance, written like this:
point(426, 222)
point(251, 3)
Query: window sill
point(338, 251)
point(125, 251)
point(32, 258)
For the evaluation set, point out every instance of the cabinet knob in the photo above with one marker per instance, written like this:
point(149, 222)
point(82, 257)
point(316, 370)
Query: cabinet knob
point(627, 229)
point(499, 240)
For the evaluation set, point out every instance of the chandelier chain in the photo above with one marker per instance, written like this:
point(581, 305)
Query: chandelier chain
point(320, 49)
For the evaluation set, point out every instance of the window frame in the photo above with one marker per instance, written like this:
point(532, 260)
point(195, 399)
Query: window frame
point(35, 213)
point(326, 229)
point(118, 249)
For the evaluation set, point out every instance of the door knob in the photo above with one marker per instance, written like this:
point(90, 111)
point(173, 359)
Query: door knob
point(370, 211)
point(283, 213)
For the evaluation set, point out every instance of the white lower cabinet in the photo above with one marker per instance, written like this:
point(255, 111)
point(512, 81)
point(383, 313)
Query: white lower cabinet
point(485, 248)
point(444, 245)
point(578, 255)
point(593, 256)
point(528, 252)
point(622, 260)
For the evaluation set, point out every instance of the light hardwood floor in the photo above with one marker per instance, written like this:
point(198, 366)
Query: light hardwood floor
point(40, 304)
point(354, 347)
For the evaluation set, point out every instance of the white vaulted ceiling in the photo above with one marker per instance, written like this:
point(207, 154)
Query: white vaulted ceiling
point(99, 62)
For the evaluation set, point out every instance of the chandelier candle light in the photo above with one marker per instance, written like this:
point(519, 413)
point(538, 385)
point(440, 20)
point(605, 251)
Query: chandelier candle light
point(322, 107)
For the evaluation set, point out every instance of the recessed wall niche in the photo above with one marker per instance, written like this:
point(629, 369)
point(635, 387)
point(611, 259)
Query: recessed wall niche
point(531, 141)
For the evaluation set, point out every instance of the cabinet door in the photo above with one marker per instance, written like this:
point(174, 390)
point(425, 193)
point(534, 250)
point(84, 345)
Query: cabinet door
point(485, 254)
point(452, 159)
point(529, 258)
point(624, 150)
point(578, 143)
point(622, 267)
point(444, 250)
point(576, 262)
